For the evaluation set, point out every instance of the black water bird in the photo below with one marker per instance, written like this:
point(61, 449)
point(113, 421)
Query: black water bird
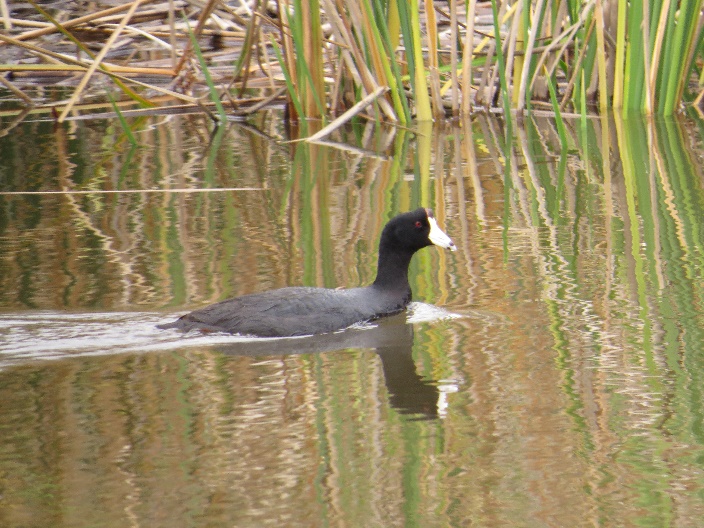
point(299, 311)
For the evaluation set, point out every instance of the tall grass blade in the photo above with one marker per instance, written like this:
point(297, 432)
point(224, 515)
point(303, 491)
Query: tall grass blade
point(587, 64)
point(515, 45)
point(123, 122)
point(293, 93)
point(634, 75)
point(306, 29)
point(410, 27)
point(306, 58)
point(379, 45)
point(561, 130)
point(393, 23)
point(386, 35)
point(245, 56)
point(454, 39)
point(660, 12)
point(214, 95)
point(501, 62)
point(404, 16)
point(206, 9)
point(620, 56)
point(535, 31)
point(468, 56)
point(683, 36)
point(431, 30)
point(601, 57)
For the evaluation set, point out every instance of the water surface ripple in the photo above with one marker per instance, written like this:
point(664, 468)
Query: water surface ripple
point(548, 373)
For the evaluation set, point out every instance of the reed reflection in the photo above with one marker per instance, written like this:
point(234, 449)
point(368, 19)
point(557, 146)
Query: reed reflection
point(580, 392)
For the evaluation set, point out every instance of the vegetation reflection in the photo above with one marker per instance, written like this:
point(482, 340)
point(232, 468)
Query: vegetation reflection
point(572, 378)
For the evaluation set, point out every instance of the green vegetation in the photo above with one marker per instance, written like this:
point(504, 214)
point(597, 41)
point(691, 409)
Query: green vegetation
point(423, 60)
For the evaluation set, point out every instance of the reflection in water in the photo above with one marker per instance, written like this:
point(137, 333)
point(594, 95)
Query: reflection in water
point(251, 426)
point(55, 335)
point(391, 338)
point(569, 393)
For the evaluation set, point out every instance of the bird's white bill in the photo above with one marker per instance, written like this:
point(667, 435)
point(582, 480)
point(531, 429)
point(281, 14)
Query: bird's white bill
point(438, 237)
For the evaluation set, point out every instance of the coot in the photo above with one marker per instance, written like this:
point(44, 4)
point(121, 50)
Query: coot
point(298, 311)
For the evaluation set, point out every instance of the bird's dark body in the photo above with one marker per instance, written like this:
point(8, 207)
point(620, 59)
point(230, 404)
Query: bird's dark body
point(294, 311)
point(298, 311)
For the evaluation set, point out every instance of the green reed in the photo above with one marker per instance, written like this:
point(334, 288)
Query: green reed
point(123, 122)
point(212, 89)
point(550, 48)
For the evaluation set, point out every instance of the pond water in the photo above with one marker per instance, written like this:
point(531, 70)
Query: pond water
point(549, 373)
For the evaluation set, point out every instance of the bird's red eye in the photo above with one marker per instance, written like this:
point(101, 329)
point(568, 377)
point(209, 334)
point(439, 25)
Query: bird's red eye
point(419, 224)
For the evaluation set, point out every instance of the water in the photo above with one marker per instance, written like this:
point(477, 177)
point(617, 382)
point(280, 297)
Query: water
point(549, 372)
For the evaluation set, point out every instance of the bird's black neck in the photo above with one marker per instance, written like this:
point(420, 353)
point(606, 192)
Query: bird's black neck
point(392, 271)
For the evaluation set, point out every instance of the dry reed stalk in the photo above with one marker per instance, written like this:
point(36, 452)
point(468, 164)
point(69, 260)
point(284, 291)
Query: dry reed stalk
point(347, 46)
point(47, 54)
point(147, 35)
point(157, 12)
point(288, 50)
point(335, 90)
point(454, 38)
point(513, 42)
point(601, 56)
point(253, 34)
point(15, 121)
point(467, 58)
point(564, 39)
point(521, 102)
point(436, 93)
point(239, 22)
point(180, 31)
point(93, 17)
point(245, 59)
point(50, 108)
point(649, 103)
point(344, 29)
point(362, 18)
point(172, 33)
point(659, 36)
point(431, 29)
point(204, 15)
point(18, 93)
point(577, 69)
point(698, 103)
point(488, 87)
point(5, 13)
point(267, 68)
point(620, 59)
point(68, 68)
point(344, 118)
point(314, 102)
point(266, 101)
point(347, 65)
point(29, 23)
point(96, 62)
point(359, 20)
